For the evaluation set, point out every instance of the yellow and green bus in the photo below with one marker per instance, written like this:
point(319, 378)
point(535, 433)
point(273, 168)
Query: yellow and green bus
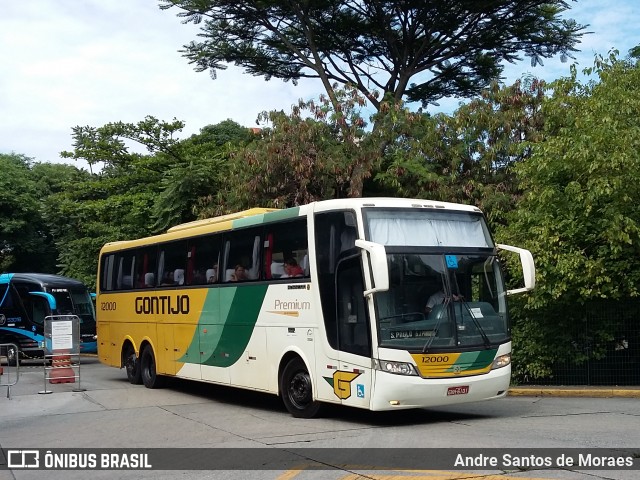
point(376, 303)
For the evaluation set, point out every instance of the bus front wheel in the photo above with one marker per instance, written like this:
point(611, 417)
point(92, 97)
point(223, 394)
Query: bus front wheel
point(12, 356)
point(296, 390)
point(148, 369)
point(132, 365)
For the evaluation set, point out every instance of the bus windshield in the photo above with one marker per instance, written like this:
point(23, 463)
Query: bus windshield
point(445, 284)
point(429, 304)
point(74, 302)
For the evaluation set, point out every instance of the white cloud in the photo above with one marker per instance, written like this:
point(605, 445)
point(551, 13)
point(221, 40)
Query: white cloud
point(68, 63)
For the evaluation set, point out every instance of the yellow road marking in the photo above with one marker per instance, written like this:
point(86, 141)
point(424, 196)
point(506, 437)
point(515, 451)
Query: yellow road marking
point(402, 474)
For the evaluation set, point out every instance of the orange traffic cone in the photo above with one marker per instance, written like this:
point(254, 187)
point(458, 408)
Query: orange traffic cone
point(61, 370)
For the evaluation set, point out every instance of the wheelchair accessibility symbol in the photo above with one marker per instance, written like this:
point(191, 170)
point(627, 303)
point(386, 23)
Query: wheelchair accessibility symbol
point(360, 390)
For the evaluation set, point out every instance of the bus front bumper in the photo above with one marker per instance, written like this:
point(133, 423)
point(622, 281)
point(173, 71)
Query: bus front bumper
point(402, 392)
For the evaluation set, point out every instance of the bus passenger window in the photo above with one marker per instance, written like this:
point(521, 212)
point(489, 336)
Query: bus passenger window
point(286, 254)
point(145, 262)
point(125, 265)
point(243, 253)
point(173, 260)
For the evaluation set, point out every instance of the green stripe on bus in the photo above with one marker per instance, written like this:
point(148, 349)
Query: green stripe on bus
point(267, 217)
point(228, 326)
point(476, 360)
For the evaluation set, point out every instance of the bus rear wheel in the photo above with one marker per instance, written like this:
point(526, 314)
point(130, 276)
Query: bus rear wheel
point(132, 365)
point(296, 390)
point(148, 369)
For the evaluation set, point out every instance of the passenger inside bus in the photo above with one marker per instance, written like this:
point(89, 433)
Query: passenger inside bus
point(239, 274)
point(167, 279)
point(292, 269)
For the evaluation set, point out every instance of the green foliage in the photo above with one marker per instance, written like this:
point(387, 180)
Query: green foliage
point(135, 195)
point(415, 49)
point(467, 157)
point(312, 154)
point(555, 168)
point(109, 145)
point(579, 215)
point(116, 203)
point(190, 187)
point(25, 244)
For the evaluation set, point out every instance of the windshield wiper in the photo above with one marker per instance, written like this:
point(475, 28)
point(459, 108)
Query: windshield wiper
point(485, 339)
point(443, 312)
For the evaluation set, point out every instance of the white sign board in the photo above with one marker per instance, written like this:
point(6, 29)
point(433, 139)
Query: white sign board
point(62, 335)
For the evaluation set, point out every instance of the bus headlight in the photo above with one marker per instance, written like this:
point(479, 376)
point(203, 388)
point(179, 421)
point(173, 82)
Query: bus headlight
point(501, 361)
point(399, 368)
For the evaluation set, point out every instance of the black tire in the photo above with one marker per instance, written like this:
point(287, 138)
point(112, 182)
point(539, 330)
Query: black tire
point(148, 369)
point(296, 390)
point(13, 353)
point(132, 365)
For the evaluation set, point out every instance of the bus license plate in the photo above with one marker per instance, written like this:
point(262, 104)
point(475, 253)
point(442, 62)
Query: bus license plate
point(462, 390)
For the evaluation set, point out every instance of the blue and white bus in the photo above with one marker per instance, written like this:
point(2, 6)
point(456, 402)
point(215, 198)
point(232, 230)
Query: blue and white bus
point(27, 298)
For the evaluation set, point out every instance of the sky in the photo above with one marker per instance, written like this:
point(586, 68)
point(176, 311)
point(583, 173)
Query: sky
point(67, 63)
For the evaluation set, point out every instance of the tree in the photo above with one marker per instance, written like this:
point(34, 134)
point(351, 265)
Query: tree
point(190, 186)
point(110, 144)
point(415, 49)
point(469, 156)
point(579, 216)
point(118, 202)
point(387, 50)
point(135, 195)
point(300, 158)
point(25, 242)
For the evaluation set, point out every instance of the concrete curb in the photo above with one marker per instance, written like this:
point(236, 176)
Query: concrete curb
point(595, 392)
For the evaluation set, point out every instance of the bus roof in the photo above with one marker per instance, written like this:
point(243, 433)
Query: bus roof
point(223, 218)
point(42, 279)
point(256, 216)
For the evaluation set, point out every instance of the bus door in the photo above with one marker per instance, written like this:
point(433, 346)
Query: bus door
point(354, 333)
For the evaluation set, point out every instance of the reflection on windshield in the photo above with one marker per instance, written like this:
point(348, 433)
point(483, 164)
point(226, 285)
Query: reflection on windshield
point(442, 301)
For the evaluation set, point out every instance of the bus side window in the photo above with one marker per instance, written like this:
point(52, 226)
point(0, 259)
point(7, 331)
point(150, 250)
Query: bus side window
point(174, 261)
point(108, 275)
point(335, 233)
point(204, 253)
point(353, 324)
point(243, 251)
point(287, 241)
point(125, 270)
point(145, 264)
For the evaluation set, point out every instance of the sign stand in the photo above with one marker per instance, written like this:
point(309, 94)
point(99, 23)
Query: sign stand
point(8, 374)
point(62, 349)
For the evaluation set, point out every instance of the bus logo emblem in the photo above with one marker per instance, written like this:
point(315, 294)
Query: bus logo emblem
point(341, 383)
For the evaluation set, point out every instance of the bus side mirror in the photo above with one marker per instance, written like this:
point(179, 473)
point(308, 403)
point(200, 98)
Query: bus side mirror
point(378, 264)
point(528, 268)
point(48, 297)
